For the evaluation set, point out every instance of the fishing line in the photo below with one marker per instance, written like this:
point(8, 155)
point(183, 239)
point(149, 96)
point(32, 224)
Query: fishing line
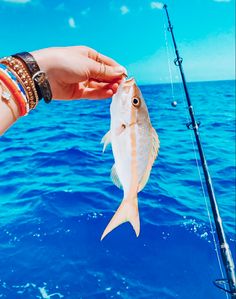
point(195, 152)
point(227, 284)
point(168, 59)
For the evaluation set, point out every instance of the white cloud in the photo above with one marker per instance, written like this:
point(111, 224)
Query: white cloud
point(85, 11)
point(156, 5)
point(71, 22)
point(124, 9)
point(221, 0)
point(18, 1)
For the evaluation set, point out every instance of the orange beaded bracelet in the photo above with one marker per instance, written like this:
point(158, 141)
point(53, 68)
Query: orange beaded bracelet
point(15, 93)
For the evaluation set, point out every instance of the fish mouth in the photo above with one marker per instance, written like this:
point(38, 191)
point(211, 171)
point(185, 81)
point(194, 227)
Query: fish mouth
point(129, 82)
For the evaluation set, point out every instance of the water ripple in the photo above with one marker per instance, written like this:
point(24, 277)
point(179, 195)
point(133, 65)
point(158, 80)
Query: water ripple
point(56, 198)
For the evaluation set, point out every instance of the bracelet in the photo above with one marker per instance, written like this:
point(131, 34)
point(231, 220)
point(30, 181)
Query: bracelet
point(15, 92)
point(39, 77)
point(18, 85)
point(17, 67)
point(6, 97)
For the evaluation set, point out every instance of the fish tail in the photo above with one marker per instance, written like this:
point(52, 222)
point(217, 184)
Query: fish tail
point(127, 212)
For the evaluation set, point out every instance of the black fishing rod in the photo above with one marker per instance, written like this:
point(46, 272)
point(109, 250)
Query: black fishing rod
point(226, 256)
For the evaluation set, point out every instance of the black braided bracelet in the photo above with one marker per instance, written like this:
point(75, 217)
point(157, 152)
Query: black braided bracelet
point(39, 77)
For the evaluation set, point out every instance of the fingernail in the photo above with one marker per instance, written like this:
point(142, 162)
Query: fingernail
point(121, 70)
point(110, 92)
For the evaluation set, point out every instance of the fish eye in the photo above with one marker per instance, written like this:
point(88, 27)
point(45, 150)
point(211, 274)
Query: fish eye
point(136, 102)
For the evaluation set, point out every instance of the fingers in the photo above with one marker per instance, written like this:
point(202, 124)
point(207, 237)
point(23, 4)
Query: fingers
point(95, 90)
point(98, 57)
point(100, 90)
point(94, 93)
point(102, 72)
point(106, 60)
point(93, 54)
point(99, 67)
point(102, 58)
point(96, 84)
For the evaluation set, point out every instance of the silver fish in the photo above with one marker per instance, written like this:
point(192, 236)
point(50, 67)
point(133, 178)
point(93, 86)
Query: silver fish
point(135, 146)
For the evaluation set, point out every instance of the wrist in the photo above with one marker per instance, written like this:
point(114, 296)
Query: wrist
point(43, 60)
point(47, 62)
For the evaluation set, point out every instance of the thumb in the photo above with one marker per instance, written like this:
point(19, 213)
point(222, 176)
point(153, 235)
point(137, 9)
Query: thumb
point(106, 73)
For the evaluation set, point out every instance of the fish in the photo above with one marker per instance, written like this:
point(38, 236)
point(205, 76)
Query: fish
point(135, 145)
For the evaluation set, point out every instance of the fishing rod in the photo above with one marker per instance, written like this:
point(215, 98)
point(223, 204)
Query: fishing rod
point(194, 125)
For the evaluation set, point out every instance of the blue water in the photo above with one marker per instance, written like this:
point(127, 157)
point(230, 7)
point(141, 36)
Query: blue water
point(56, 198)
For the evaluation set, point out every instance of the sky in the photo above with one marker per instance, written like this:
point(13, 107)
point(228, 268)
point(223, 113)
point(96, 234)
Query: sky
point(131, 32)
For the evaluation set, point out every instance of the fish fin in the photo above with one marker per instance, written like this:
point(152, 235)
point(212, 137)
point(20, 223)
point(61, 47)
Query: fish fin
point(155, 143)
point(144, 180)
point(114, 177)
point(127, 212)
point(153, 155)
point(106, 139)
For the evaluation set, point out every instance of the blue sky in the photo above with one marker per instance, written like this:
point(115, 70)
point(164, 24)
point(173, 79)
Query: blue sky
point(132, 32)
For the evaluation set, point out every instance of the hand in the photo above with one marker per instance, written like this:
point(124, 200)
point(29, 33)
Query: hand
point(79, 72)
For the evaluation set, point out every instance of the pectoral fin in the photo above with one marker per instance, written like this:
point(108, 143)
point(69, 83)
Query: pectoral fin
point(106, 139)
point(155, 144)
point(114, 177)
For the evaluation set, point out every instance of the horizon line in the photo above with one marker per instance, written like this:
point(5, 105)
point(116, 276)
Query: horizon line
point(180, 82)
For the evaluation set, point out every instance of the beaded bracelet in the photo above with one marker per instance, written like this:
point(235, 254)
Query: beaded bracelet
point(18, 85)
point(17, 67)
point(15, 92)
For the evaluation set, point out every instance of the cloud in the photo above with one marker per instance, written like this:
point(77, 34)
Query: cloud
point(156, 5)
point(222, 0)
point(85, 11)
point(71, 22)
point(124, 9)
point(17, 1)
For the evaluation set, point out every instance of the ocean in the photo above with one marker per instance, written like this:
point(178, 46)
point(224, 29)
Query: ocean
point(56, 198)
